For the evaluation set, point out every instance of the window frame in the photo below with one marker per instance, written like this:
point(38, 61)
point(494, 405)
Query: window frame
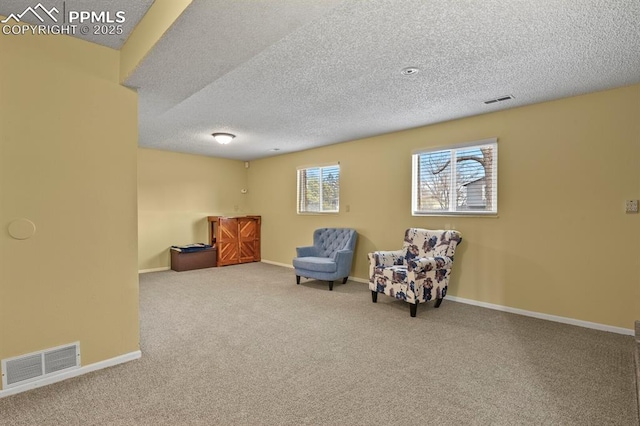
point(299, 194)
point(453, 149)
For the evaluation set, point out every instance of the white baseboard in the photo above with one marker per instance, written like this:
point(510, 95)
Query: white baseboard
point(555, 318)
point(271, 262)
point(72, 373)
point(144, 271)
point(286, 265)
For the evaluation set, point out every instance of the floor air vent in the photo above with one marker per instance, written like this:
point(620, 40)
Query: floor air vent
point(39, 365)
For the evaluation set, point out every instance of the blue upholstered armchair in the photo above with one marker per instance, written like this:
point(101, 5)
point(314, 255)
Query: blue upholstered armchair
point(418, 272)
point(330, 256)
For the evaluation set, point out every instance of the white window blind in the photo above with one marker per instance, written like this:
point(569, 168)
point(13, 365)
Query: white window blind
point(461, 179)
point(319, 189)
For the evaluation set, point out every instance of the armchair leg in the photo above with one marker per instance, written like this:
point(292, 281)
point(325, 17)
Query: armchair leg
point(344, 280)
point(297, 279)
point(330, 285)
point(438, 302)
point(374, 296)
point(413, 309)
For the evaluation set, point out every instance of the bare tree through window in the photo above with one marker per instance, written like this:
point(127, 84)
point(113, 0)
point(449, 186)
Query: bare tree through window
point(456, 180)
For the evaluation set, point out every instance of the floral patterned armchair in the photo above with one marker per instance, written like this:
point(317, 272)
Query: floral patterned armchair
point(419, 272)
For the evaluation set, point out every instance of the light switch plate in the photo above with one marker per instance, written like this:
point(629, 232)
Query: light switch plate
point(631, 206)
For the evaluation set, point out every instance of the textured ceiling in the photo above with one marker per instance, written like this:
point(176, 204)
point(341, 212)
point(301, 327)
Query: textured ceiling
point(296, 74)
point(133, 12)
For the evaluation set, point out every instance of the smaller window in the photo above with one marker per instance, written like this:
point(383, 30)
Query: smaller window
point(319, 189)
point(458, 180)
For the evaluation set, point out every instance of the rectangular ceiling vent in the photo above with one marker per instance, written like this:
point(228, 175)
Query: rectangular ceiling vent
point(39, 365)
point(500, 99)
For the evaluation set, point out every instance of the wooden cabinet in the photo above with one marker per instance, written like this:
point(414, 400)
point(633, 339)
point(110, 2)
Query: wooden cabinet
point(237, 239)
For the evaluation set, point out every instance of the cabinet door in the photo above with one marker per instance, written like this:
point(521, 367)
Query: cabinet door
point(227, 241)
point(248, 233)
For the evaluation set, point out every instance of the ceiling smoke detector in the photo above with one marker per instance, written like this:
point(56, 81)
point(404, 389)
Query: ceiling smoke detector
point(409, 71)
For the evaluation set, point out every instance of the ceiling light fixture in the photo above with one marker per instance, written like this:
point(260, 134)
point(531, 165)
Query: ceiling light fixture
point(223, 138)
point(409, 71)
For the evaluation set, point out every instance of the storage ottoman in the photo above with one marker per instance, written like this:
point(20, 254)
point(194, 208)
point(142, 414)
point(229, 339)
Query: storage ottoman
point(190, 258)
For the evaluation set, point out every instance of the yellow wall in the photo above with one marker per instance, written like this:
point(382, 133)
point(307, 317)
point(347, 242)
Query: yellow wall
point(176, 192)
point(562, 244)
point(68, 163)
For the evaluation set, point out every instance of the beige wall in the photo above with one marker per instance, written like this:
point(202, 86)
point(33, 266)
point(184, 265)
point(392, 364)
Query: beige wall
point(68, 163)
point(562, 244)
point(176, 193)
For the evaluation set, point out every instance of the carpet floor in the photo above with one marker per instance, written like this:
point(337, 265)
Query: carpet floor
point(245, 345)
